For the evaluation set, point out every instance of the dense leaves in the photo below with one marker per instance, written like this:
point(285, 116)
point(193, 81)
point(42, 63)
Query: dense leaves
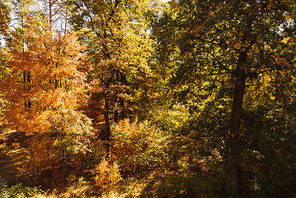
point(119, 49)
point(211, 82)
point(4, 18)
point(138, 146)
point(45, 78)
point(222, 52)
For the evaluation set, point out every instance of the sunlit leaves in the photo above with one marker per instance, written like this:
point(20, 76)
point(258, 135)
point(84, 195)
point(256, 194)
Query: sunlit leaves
point(45, 73)
point(203, 45)
point(4, 17)
point(138, 146)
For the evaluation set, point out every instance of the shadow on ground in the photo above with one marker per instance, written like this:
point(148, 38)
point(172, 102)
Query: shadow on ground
point(13, 153)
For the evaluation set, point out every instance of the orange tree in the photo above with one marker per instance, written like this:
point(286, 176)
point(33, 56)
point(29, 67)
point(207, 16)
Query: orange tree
point(4, 24)
point(46, 87)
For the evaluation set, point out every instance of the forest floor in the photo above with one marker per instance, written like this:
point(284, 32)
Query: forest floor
point(13, 153)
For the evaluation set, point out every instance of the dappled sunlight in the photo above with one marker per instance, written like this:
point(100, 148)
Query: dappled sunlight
point(147, 98)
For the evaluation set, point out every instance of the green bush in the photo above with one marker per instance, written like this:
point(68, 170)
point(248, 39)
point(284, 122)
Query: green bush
point(17, 191)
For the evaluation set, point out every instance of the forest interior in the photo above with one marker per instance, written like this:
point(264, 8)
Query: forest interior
point(147, 98)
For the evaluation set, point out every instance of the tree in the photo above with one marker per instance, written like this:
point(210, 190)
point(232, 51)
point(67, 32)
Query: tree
point(4, 26)
point(47, 75)
point(45, 90)
point(4, 18)
point(119, 48)
point(232, 43)
point(57, 14)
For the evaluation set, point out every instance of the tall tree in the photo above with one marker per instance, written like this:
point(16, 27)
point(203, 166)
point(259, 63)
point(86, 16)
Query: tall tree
point(4, 26)
point(234, 42)
point(47, 76)
point(46, 88)
point(56, 13)
point(119, 48)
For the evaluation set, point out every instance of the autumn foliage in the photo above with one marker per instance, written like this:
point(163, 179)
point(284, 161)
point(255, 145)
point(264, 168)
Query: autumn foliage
point(45, 89)
point(191, 98)
point(46, 76)
point(106, 175)
point(138, 146)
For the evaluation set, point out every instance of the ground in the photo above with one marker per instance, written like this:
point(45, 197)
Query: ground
point(13, 153)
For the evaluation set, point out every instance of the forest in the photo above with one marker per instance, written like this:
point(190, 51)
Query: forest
point(148, 98)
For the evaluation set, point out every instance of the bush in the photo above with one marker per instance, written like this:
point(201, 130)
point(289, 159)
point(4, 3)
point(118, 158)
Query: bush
point(185, 186)
point(17, 191)
point(42, 162)
point(57, 151)
point(138, 146)
point(107, 175)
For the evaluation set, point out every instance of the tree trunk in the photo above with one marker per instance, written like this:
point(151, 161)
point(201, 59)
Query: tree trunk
point(107, 121)
point(106, 116)
point(64, 168)
point(27, 81)
point(124, 82)
point(50, 13)
point(233, 142)
point(116, 114)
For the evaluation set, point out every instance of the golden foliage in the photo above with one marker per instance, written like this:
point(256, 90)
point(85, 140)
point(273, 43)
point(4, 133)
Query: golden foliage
point(42, 160)
point(107, 175)
point(46, 76)
point(138, 145)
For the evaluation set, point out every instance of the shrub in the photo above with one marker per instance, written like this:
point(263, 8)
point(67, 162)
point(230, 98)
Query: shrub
point(185, 186)
point(138, 146)
point(107, 175)
point(17, 191)
point(53, 153)
point(42, 162)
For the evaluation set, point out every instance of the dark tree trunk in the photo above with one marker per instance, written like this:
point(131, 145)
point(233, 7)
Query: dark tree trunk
point(119, 113)
point(124, 82)
point(233, 142)
point(116, 114)
point(107, 121)
point(64, 168)
point(107, 126)
point(27, 81)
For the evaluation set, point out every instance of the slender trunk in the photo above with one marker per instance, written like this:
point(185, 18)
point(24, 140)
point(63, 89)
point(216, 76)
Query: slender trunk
point(116, 114)
point(107, 125)
point(119, 112)
point(66, 22)
point(124, 82)
point(233, 143)
point(106, 116)
point(122, 115)
point(64, 167)
point(107, 121)
point(29, 86)
point(27, 81)
point(50, 13)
